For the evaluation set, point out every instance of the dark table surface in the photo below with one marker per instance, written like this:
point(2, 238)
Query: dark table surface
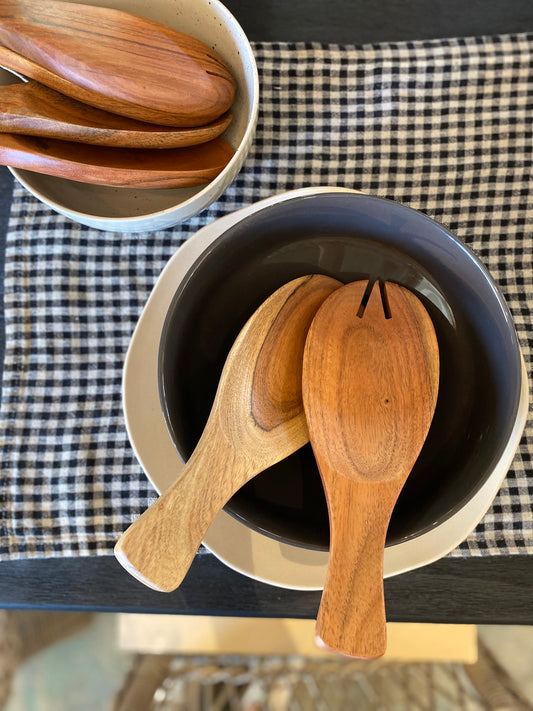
point(494, 590)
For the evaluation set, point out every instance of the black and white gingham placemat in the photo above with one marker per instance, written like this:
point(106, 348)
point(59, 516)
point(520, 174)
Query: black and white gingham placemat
point(443, 126)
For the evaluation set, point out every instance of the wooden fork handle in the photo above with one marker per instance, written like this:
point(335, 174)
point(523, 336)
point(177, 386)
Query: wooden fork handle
point(351, 618)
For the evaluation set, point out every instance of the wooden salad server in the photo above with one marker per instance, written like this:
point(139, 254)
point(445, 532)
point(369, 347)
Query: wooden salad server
point(256, 421)
point(32, 109)
point(370, 384)
point(118, 167)
point(117, 61)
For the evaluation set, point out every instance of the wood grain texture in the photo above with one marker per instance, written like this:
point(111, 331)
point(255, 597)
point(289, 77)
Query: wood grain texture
point(370, 386)
point(119, 167)
point(194, 634)
point(119, 62)
point(236, 444)
point(32, 109)
point(277, 382)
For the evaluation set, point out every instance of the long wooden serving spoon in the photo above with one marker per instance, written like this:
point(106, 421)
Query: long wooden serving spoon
point(117, 61)
point(256, 421)
point(118, 167)
point(32, 109)
point(370, 383)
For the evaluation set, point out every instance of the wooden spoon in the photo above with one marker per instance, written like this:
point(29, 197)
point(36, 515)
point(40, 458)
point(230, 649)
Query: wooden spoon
point(32, 109)
point(369, 389)
point(117, 61)
point(119, 167)
point(256, 421)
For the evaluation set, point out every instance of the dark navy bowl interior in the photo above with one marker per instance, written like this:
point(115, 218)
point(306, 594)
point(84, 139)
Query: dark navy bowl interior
point(349, 237)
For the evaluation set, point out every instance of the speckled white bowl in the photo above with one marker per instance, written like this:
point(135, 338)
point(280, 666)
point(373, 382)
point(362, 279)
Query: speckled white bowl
point(130, 210)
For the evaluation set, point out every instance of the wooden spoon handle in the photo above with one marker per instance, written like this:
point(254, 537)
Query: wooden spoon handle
point(159, 547)
point(119, 167)
point(351, 618)
point(256, 421)
point(32, 109)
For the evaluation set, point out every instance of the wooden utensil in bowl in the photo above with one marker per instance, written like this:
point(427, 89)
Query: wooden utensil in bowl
point(32, 109)
point(370, 384)
point(256, 421)
point(119, 167)
point(117, 61)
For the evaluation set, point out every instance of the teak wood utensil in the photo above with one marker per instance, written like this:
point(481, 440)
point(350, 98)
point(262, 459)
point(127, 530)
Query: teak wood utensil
point(117, 61)
point(370, 384)
point(119, 167)
point(32, 109)
point(256, 421)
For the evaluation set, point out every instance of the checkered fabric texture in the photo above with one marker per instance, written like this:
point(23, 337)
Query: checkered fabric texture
point(444, 126)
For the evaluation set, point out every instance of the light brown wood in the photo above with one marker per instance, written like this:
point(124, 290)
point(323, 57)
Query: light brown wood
point(119, 167)
point(238, 442)
point(195, 634)
point(119, 62)
point(370, 386)
point(32, 109)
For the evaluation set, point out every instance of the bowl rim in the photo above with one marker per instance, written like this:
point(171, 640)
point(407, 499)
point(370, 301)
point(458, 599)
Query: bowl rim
point(458, 244)
point(188, 206)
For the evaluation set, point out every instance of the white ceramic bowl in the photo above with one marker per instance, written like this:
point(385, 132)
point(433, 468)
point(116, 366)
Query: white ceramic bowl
point(241, 548)
point(130, 210)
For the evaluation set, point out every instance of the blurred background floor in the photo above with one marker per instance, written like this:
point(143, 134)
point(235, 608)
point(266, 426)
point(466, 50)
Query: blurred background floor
point(79, 662)
point(80, 671)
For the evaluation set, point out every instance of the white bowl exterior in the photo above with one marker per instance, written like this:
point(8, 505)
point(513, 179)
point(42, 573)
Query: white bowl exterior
point(149, 210)
point(249, 552)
